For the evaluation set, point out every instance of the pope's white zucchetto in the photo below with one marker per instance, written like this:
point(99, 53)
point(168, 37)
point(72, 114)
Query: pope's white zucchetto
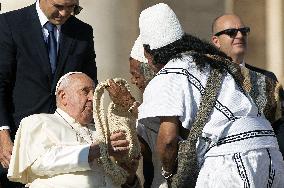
point(159, 26)
point(62, 78)
point(137, 51)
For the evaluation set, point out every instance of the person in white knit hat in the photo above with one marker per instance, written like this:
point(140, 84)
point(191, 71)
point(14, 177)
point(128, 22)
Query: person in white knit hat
point(141, 75)
point(237, 146)
point(140, 71)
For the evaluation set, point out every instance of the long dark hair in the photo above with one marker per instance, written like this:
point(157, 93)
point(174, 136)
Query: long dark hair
point(187, 43)
point(202, 52)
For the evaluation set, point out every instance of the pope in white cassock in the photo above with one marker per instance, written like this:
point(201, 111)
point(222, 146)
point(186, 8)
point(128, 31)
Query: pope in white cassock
point(60, 149)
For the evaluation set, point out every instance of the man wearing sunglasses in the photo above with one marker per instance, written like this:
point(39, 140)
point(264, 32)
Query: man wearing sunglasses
point(230, 35)
point(38, 44)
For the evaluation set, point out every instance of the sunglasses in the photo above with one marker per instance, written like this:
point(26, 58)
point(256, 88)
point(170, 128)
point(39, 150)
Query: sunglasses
point(77, 9)
point(233, 32)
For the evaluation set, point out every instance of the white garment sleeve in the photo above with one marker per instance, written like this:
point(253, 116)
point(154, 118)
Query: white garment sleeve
point(168, 95)
point(62, 159)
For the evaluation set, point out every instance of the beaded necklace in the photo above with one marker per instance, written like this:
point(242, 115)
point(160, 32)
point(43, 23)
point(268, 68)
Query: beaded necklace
point(78, 134)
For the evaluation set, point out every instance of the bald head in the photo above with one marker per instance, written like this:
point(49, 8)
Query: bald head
point(229, 35)
point(226, 21)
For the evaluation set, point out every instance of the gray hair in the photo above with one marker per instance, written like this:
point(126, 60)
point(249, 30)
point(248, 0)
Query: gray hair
point(63, 81)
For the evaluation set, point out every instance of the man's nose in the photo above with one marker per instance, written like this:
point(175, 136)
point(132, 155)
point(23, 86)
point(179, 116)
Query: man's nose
point(239, 34)
point(65, 12)
point(91, 95)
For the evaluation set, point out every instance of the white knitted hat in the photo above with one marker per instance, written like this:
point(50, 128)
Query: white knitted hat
point(159, 26)
point(137, 51)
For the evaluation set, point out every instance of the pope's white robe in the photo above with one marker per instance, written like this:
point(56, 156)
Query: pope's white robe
point(49, 153)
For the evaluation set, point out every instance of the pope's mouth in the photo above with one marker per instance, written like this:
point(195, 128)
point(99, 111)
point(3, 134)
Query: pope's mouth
point(239, 44)
point(87, 107)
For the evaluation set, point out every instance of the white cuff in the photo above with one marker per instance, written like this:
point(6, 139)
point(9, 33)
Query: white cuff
point(4, 128)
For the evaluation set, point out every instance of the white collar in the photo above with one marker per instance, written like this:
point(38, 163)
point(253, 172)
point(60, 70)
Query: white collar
point(83, 132)
point(243, 64)
point(66, 116)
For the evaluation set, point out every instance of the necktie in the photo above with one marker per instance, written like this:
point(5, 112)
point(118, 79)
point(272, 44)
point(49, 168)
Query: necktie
point(51, 46)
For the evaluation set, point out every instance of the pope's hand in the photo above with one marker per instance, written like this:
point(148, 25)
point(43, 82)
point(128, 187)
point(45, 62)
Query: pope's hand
point(118, 144)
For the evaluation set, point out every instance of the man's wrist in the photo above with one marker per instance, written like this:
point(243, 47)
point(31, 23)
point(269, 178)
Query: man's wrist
point(5, 133)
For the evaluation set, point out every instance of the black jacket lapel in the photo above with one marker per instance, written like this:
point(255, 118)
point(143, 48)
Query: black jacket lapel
point(65, 45)
point(36, 33)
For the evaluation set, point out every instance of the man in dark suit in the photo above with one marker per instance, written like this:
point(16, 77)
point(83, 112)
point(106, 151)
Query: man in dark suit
point(33, 58)
point(230, 35)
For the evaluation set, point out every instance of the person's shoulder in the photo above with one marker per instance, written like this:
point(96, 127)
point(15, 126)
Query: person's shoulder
point(183, 61)
point(17, 17)
point(19, 12)
point(36, 122)
point(75, 22)
point(77, 28)
point(36, 118)
point(267, 73)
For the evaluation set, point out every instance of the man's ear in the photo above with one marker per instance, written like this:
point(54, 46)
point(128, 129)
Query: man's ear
point(62, 97)
point(215, 41)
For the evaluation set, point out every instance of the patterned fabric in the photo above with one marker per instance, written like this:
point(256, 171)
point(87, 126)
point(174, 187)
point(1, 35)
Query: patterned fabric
point(177, 90)
point(253, 169)
point(187, 177)
point(265, 93)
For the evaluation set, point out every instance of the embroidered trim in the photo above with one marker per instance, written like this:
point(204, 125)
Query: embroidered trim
point(242, 170)
point(232, 68)
point(271, 172)
point(197, 84)
point(187, 157)
point(242, 136)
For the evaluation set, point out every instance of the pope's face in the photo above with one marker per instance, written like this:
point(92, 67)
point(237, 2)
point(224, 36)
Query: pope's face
point(79, 98)
point(58, 11)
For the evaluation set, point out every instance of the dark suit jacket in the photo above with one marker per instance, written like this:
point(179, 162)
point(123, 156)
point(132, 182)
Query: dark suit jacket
point(26, 82)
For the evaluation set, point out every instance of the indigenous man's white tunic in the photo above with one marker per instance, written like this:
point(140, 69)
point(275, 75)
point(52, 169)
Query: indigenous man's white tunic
point(235, 128)
point(51, 151)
